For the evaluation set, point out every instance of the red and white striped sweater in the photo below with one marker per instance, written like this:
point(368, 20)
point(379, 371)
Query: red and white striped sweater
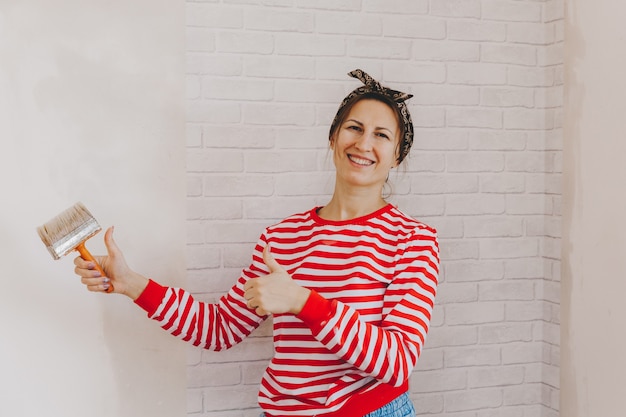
point(357, 339)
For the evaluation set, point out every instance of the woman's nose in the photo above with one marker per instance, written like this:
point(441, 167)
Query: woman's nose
point(364, 142)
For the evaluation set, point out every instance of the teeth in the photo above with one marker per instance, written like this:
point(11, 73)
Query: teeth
point(360, 161)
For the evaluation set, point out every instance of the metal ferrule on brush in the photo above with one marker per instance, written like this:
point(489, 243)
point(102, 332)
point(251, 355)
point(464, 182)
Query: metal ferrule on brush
point(68, 243)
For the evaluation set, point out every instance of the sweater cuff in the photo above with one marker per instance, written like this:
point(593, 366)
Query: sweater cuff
point(151, 297)
point(316, 311)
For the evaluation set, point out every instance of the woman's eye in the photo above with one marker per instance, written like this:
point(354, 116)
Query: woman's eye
point(356, 128)
point(382, 135)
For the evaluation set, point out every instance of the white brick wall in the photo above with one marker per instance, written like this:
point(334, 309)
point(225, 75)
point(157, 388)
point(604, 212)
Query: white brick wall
point(264, 81)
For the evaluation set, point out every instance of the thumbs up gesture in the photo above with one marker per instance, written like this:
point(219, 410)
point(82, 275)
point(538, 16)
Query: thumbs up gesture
point(276, 292)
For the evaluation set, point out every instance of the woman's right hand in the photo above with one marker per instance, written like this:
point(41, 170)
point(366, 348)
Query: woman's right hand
point(124, 280)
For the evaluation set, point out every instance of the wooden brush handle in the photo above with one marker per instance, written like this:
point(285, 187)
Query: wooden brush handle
point(84, 253)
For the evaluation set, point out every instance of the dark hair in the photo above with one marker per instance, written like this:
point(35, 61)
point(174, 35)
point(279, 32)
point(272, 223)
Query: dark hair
point(345, 109)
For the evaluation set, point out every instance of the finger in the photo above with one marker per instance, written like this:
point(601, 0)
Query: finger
point(260, 311)
point(87, 272)
point(96, 284)
point(269, 260)
point(110, 243)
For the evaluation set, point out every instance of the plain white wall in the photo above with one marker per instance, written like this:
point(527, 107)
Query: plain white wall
point(593, 377)
point(91, 109)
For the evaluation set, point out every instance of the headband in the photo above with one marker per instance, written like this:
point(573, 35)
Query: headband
point(398, 98)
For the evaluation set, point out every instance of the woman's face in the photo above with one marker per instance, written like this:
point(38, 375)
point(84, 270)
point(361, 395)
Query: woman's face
point(365, 145)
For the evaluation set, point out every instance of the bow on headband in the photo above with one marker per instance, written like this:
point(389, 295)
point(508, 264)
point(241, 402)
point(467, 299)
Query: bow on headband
point(374, 86)
point(371, 86)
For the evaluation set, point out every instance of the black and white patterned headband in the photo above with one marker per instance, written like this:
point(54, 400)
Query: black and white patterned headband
point(371, 86)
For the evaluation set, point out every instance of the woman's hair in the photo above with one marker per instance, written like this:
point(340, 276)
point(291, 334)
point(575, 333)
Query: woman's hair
point(344, 111)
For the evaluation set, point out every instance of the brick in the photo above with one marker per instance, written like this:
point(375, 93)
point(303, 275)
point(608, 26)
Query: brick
point(244, 43)
point(524, 268)
point(283, 161)
point(440, 381)
point(214, 64)
point(193, 135)
point(465, 30)
point(237, 89)
point(471, 357)
point(435, 140)
point(431, 117)
point(194, 401)
point(550, 55)
point(493, 226)
point(214, 161)
point(238, 137)
point(506, 248)
point(237, 255)
point(553, 10)
point(474, 204)
point(528, 204)
point(422, 206)
point(443, 94)
point(532, 162)
point(549, 97)
point(507, 97)
point(502, 412)
point(444, 184)
point(427, 404)
point(233, 232)
point(474, 117)
point(229, 398)
point(215, 375)
point(451, 250)
point(278, 114)
point(456, 8)
point(511, 11)
point(303, 184)
point(551, 140)
point(507, 290)
point(523, 395)
point(531, 33)
point(276, 208)
point(194, 186)
point(425, 50)
point(457, 293)
point(549, 291)
point(200, 40)
point(204, 112)
point(502, 183)
point(495, 376)
point(316, 92)
point(544, 183)
point(505, 333)
point(468, 271)
point(508, 54)
point(452, 336)
point(346, 24)
point(238, 185)
point(526, 311)
point(474, 313)
point(396, 6)
point(214, 209)
point(414, 72)
point(477, 74)
point(213, 16)
point(551, 247)
point(430, 360)
point(193, 87)
point(474, 399)
point(284, 67)
point(475, 162)
point(308, 45)
point(522, 353)
point(426, 162)
point(413, 27)
point(447, 227)
point(489, 140)
point(353, 5)
point(302, 138)
point(531, 77)
point(379, 48)
point(273, 20)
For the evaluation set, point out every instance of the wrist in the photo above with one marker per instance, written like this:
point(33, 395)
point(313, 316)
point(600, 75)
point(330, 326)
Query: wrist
point(136, 285)
point(301, 297)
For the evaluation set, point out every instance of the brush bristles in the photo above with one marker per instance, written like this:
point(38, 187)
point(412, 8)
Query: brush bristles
point(66, 231)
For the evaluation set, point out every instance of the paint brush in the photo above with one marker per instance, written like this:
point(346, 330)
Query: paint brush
point(69, 231)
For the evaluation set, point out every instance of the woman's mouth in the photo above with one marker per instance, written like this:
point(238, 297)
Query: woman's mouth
point(360, 161)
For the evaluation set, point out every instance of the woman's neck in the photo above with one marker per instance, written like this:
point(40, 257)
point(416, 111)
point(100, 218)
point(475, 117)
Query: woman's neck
point(350, 207)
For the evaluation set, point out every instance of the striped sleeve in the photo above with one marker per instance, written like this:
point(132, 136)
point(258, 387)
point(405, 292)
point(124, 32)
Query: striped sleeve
point(216, 326)
point(387, 351)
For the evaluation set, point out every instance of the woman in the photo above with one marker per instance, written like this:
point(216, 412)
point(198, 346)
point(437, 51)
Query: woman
point(350, 285)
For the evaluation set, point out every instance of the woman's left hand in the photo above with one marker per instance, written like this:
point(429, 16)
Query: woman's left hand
point(276, 292)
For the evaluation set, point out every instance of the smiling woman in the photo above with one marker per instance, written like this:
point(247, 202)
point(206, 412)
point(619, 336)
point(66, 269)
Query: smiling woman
point(351, 285)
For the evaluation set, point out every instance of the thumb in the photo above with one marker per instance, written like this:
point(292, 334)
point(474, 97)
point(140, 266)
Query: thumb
point(109, 242)
point(269, 260)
